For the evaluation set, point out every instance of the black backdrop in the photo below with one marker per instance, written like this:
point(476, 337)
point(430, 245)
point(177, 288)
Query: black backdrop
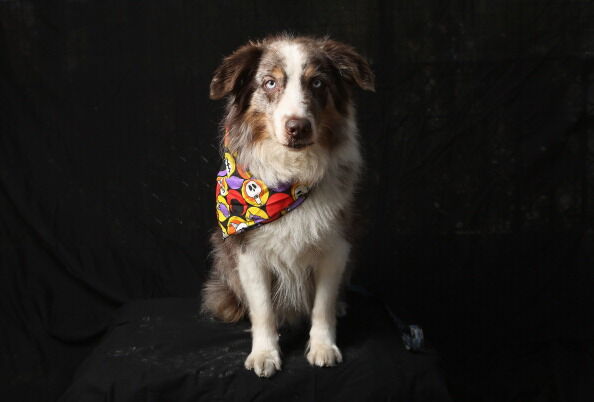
point(477, 200)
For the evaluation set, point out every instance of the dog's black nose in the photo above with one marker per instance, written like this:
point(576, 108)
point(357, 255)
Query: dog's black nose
point(298, 128)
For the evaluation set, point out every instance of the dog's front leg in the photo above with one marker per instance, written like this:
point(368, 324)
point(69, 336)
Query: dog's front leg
point(255, 280)
point(322, 349)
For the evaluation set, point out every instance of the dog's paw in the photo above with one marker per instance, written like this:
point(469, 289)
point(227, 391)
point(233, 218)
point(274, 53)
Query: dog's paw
point(323, 355)
point(264, 362)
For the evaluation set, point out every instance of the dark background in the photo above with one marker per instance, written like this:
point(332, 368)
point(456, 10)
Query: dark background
point(477, 200)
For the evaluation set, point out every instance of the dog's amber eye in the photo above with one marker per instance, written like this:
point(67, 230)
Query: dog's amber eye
point(317, 83)
point(270, 84)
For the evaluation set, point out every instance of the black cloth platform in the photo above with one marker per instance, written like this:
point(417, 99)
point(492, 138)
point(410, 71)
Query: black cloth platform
point(164, 350)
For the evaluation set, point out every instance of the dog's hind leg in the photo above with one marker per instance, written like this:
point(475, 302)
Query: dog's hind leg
point(220, 300)
point(264, 358)
point(321, 348)
point(222, 295)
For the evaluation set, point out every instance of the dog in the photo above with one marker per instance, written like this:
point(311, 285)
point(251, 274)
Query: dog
point(290, 136)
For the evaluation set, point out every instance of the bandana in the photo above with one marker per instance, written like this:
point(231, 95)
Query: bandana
point(245, 202)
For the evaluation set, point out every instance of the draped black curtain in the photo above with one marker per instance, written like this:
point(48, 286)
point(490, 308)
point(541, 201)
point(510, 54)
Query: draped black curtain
point(476, 203)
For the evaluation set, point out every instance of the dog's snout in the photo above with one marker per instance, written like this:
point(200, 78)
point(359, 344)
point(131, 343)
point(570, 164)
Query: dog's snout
point(298, 127)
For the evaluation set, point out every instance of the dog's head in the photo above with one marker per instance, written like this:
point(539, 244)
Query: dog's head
point(292, 92)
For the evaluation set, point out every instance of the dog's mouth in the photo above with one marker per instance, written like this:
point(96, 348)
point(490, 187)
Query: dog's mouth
point(298, 144)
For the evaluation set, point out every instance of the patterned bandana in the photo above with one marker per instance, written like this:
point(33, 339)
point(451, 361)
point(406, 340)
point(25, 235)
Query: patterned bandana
point(244, 202)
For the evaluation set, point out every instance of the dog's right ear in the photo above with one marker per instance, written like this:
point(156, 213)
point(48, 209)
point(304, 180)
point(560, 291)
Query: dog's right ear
point(235, 71)
point(350, 64)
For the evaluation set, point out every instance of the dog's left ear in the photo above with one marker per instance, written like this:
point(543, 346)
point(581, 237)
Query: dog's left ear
point(235, 71)
point(350, 64)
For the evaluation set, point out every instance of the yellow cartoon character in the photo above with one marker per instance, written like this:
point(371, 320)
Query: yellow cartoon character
point(299, 190)
point(255, 215)
point(222, 186)
point(229, 164)
point(236, 225)
point(223, 210)
point(255, 192)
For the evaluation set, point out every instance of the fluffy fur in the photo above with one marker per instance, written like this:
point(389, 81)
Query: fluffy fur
point(293, 267)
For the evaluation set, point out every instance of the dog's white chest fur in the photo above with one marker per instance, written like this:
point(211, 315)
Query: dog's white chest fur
point(290, 247)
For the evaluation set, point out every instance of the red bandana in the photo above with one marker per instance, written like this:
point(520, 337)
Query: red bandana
point(244, 202)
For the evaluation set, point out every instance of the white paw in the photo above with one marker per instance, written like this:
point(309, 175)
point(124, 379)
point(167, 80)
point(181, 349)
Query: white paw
point(264, 362)
point(323, 354)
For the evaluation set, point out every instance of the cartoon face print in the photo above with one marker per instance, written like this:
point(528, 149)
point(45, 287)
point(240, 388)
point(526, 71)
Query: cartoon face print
point(255, 192)
point(255, 215)
point(222, 186)
point(223, 210)
point(236, 225)
point(229, 164)
point(299, 190)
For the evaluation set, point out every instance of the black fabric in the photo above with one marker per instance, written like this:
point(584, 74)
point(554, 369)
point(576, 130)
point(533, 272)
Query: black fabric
point(162, 350)
point(554, 370)
point(476, 203)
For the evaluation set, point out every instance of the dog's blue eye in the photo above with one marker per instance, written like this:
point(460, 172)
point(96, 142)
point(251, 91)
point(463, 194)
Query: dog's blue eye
point(316, 83)
point(270, 84)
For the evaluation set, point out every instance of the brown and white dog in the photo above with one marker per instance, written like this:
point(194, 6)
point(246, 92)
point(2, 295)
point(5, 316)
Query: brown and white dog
point(290, 118)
